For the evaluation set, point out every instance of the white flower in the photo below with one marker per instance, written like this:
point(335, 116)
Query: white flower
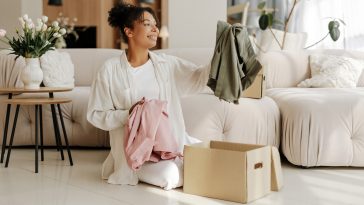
point(39, 25)
point(2, 33)
point(38, 28)
point(55, 24)
point(25, 17)
point(29, 23)
point(22, 22)
point(44, 19)
point(57, 35)
point(62, 31)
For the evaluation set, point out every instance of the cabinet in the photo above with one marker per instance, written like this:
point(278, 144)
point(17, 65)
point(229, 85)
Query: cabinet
point(88, 13)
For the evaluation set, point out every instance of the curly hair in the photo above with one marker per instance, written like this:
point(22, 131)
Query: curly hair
point(124, 15)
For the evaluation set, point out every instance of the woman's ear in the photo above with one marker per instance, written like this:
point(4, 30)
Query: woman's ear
point(128, 32)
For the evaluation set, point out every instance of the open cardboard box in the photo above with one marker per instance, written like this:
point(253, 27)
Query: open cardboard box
point(257, 88)
point(227, 171)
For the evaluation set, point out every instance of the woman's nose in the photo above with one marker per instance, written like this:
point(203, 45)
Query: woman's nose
point(155, 28)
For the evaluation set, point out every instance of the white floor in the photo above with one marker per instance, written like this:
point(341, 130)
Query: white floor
point(58, 183)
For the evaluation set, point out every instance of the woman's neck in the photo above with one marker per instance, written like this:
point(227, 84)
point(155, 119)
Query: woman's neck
point(137, 57)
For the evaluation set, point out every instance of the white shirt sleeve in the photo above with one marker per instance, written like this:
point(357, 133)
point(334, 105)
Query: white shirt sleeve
point(101, 111)
point(189, 78)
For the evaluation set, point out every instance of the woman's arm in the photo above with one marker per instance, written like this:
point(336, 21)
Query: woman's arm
point(189, 78)
point(101, 111)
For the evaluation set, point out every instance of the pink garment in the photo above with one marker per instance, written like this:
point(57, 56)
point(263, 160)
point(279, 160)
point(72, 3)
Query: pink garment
point(148, 134)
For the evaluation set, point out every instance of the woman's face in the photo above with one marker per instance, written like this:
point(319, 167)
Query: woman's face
point(145, 32)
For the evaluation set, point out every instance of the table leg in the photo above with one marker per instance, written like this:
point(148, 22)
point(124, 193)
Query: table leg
point(36, 138)
point(65, 135)
point(12, 135)
point(41, 133)
point(5, 134)
point(56, 131)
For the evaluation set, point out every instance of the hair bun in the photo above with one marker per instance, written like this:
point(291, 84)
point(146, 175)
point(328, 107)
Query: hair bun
point(119, 14)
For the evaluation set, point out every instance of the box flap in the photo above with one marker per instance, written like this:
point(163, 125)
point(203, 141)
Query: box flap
point(234, 146)
point(277, 175)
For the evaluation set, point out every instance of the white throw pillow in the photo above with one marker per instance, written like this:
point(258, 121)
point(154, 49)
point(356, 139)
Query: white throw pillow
point(58, 69)
point(329, 71)
point(167, 174)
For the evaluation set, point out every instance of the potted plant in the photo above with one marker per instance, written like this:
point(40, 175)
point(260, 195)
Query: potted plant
point(31, 43)
point(266, 21)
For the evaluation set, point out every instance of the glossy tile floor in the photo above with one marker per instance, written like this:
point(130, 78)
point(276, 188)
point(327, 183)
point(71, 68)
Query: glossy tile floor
point(59, 184)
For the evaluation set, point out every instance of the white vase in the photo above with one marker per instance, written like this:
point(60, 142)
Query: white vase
point(32, 74)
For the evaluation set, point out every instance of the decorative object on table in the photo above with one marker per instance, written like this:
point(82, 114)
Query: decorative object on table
point(71, 35)
point(266, 21)
point(58, 69)
point(31, 43)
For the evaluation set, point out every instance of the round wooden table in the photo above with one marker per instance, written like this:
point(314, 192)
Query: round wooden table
point(37, 102)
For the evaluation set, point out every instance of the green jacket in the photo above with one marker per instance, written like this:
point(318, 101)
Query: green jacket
point(234, 65)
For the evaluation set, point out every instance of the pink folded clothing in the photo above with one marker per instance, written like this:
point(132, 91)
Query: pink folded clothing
point(148, 134)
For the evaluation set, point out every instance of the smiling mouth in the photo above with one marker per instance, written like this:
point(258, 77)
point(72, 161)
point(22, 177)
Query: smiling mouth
point(153, 38)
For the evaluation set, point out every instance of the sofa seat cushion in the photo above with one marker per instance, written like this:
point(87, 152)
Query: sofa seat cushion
point(321, 126)
point(252, 121)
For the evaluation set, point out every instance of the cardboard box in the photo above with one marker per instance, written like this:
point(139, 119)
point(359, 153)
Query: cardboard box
point(257, 88)
point(228, 171)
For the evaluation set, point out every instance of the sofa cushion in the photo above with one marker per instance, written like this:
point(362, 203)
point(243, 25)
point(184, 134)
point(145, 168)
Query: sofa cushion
point(10, 70)
point(253, 121)
point(284, 68)
point(321, 126)
point(333, 71)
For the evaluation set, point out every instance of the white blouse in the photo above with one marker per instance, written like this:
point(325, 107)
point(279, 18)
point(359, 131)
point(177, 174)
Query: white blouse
point(114, 91)
point(145, 81)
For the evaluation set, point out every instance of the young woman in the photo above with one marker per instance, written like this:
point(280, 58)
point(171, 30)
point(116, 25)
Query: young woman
point(138, 73)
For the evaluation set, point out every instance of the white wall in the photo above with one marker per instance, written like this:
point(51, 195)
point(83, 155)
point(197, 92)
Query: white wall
point(192, 23)
point(11, 10)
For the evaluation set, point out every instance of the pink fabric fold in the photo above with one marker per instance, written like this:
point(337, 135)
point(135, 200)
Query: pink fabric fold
point(148, 134)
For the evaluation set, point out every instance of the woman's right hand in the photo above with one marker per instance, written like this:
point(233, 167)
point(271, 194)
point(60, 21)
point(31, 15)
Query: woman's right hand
point(137, 103)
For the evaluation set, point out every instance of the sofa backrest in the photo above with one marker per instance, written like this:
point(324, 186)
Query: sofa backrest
point(88, 61)
point(288, 68)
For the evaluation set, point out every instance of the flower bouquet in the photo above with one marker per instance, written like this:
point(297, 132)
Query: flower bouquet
point(31, 42)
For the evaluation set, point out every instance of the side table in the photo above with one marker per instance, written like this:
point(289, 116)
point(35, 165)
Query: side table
point(37, 102)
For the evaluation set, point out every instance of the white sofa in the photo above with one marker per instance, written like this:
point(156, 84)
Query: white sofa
point(206, 117)
point(319, 126)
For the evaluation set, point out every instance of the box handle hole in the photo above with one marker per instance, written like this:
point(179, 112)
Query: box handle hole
point(258, 165)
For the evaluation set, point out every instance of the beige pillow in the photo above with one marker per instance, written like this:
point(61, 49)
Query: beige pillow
point(330, 71)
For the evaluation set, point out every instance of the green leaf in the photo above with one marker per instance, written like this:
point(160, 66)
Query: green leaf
point(263, 21)
point(335, 34)
point(333, 24)
point(334, 30)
